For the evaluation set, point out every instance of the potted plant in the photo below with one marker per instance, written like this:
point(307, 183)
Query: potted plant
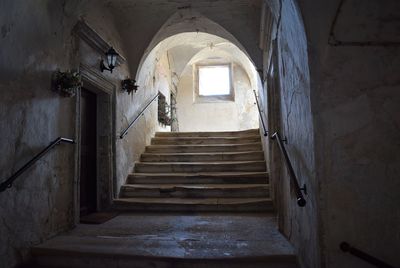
point(66, 83)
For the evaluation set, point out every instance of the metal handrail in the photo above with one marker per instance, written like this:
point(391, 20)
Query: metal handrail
point(300, 198)
point(123, 134)
point(345, 247)
point(261, 117)
point(8, 183)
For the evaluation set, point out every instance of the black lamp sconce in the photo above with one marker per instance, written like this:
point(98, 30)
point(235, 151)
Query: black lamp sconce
point(111, 56)
point(129, 85)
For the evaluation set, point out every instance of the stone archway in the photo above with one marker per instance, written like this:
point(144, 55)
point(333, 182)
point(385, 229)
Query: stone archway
point(199, 34)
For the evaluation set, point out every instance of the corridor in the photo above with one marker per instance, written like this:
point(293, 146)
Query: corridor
point(235, 132)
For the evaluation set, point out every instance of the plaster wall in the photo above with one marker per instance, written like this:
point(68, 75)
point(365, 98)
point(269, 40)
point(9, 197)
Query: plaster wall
point(353, 191)
point(42, 201)
point(193, 115)
point(291, 103)
point(355, 94)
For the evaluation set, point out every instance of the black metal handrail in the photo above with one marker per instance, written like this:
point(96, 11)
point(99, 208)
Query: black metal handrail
point(345, 247)
point(261, 117)
point(8, 183)
point(300, 198)
point(123, 134)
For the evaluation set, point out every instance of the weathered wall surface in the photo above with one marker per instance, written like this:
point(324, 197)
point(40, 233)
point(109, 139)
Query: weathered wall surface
point(239, 17)
point(355, 96)
point(41, 202)
point(216, 116)
point(292, 107)
point(153, 77)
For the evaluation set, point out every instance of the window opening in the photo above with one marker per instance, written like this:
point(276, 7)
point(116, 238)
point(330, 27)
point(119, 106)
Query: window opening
point(163, 111)
point(214, 80)
point(213, 83)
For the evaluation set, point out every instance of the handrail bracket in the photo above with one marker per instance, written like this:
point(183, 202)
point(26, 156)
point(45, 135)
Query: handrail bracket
point(304, 189)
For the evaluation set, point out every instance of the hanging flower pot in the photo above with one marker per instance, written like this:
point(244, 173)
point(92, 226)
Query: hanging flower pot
point(129, 85)
point(66, 83)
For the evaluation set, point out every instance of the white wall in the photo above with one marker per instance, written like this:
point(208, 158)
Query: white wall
point(216, 116)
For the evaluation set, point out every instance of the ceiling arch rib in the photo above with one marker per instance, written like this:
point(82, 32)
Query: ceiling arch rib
point(191, 33)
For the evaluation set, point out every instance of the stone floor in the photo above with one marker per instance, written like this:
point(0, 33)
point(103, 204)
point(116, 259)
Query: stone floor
point(189, 237)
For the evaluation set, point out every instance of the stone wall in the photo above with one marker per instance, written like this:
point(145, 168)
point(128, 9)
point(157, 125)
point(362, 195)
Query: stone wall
point(43, 201)
point(343, 118)
point(40, 203)
point(287, 107)
point(355, 96)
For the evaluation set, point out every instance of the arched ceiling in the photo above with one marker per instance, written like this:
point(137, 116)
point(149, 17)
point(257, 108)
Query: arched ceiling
point(187, 48)
point(144, 23)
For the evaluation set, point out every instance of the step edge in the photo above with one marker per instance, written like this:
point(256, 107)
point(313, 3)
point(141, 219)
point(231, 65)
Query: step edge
point(240, 162)
point(203, 153)
point(189, 174)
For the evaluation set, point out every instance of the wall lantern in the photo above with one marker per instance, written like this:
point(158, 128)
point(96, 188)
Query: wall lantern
point(111, 56)
point(129, 85)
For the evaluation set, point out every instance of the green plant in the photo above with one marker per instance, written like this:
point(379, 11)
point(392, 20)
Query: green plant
point(66, 83)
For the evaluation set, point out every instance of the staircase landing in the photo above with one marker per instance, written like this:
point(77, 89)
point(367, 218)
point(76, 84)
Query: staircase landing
point(166, 240)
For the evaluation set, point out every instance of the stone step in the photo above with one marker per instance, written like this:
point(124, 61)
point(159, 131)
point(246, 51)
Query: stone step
point(160, 167)
point(204, 148)
point(195, 190)
point(202, 157)
point(203, 140)
point(210, 134)
point(199, 177)
point(162, 240)
point(88, 259)
point(194, 204)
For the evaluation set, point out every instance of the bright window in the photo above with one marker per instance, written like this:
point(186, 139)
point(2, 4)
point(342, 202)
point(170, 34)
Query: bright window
point(214, 80)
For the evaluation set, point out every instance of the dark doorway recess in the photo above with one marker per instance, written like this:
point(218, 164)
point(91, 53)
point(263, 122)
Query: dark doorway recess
point(88, 163)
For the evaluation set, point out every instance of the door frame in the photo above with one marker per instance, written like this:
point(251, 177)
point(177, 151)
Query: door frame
point(105, 92)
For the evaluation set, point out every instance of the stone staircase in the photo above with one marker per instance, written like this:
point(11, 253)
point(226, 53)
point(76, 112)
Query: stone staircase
point(199, 171)
point(183, 172)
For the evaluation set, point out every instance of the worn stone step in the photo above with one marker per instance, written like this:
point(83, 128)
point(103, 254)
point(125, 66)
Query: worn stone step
point(194, 204)
point(210, 134)
point(203, 140)
point(202, 157)
point(195, 190)
point(199, 177)
point(256, 146)
point(161, 167)
point(162, 240)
